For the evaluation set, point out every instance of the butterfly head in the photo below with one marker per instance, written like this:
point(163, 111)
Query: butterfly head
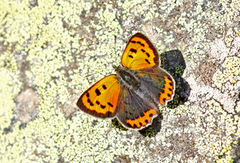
point(117, 68)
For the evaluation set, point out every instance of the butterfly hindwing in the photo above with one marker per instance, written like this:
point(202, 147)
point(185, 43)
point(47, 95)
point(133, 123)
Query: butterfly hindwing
point(101, 99)
point(159, 83)
point(139, 53)
point(133, 111)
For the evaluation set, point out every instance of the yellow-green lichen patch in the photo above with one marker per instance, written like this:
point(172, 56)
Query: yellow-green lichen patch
point(235, 4)
point(9, 87)
point(238, 104)
point(211, 142)
point(217, 122)
point(231, 69)
point(90, 136)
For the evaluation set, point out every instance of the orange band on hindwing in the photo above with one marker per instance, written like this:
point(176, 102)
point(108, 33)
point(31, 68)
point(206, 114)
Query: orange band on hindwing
point(142, 121)
point(168, 91)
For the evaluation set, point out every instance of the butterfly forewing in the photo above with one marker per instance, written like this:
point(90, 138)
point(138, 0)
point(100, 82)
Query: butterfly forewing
point(139, 53)
point(101, 99)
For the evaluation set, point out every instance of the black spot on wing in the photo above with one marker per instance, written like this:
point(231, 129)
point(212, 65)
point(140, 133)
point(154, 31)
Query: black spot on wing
point(130, 56)
point(97, 92)
point(147, 61)
point(138, 42)
point(148, 55)
point(110, 104)
point(104, 87)
point(133, 50)
point(103, 106)
point(87, 95)
point(90, 102)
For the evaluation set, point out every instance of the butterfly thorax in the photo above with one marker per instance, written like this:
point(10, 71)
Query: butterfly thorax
point(126, 76)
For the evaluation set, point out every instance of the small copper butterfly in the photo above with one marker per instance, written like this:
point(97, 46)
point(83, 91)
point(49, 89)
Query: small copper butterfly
point(132, 94)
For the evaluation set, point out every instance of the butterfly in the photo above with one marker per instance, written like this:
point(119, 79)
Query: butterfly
point(133, 94)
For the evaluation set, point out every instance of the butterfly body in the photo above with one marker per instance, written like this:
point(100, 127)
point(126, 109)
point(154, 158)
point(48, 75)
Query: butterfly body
point(133, 94)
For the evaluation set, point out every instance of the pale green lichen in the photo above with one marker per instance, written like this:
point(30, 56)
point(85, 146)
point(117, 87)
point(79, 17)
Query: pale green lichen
point(9, 88)
point(217, 146)
point(231, 70)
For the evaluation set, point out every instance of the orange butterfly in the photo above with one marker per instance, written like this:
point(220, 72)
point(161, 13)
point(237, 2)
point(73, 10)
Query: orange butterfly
point(133, 94)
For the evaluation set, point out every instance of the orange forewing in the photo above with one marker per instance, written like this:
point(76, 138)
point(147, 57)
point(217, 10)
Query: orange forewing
point(139, 53)
point(102, 98)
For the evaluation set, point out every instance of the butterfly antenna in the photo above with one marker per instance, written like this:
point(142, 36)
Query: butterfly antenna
point(115, 67)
